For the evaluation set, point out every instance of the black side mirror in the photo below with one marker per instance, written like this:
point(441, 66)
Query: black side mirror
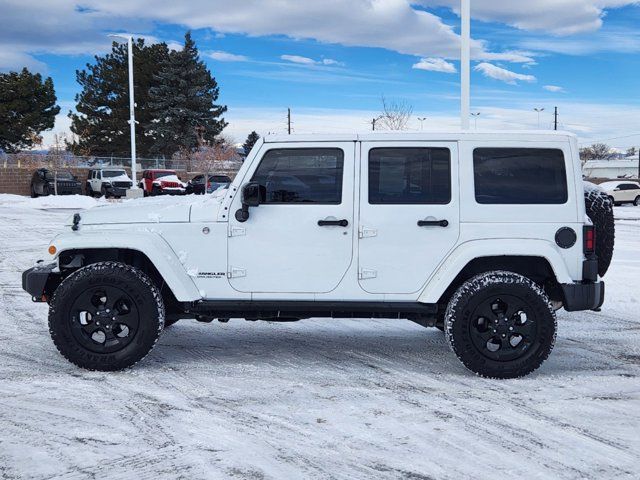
point(250, 198)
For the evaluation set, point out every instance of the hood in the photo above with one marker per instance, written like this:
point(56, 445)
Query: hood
point(151, 210)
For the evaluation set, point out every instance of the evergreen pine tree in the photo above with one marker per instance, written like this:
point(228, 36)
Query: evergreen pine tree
point(183, 101)
point(27, 107)
point(101, 121)
point(251, 140)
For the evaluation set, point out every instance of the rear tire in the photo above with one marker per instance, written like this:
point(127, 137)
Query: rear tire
point(500, 325)
point(33, 192)
point(636, 202)
point(106, 316)
point(599, 207)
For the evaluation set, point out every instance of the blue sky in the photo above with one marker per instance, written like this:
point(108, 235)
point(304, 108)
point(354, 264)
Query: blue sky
point(332, 62)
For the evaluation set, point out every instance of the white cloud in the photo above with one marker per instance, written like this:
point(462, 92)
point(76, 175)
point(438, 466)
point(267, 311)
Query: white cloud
point(227, 57)
point(553, 88)
point(298, 59)
point(33, 26)
point(435, 65)
point(502, 74)
point(15, 61)
point(175, 46)
point(560, 17)
point(310, 61)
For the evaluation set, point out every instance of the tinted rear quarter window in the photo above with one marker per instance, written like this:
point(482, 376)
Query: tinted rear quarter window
point(520, 176)
point(409, 176)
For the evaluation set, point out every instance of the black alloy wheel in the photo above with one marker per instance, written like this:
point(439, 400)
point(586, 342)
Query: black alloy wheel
point(104, 319)
point(503, 328)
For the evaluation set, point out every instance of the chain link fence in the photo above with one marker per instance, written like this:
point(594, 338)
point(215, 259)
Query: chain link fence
point(65, 159)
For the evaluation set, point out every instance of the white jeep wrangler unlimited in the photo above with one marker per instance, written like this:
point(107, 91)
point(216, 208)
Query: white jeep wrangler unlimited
point(483, 235)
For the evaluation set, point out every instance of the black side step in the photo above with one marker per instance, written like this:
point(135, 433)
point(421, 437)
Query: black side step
point(305, 309)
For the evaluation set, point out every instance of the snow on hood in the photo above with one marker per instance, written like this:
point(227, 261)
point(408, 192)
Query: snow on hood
point(169, 178)
point(165, 209)
point(120, 178)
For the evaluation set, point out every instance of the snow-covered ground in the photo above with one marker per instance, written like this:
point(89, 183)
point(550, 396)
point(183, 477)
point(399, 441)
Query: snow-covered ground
point(315, 399)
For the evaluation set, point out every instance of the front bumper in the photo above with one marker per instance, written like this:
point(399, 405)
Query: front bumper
point(173, 191)
point(41, 281)
point(116, 191)
point(583, 296)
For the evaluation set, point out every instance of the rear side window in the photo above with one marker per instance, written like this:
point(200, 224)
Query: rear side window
point(409, 176)
point(520, 176)
point(629, 186)
point(301, 175)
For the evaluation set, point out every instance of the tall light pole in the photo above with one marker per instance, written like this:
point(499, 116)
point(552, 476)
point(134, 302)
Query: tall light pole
point(465, 62)
point(132, 109)
point(475, 116)
point(538, 111)
point(421, 119)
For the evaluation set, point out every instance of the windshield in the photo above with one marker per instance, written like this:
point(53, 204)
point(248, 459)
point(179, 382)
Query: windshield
point(59, 175)
point(219, 179)
point(113, 173)
point(163, 174)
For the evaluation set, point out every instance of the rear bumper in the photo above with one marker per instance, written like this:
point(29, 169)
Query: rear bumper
point(582, 296)
point(40, 280)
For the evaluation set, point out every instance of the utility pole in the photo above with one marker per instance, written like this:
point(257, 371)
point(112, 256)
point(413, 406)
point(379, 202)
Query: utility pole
point(465, 62)
point(555, 119)
point(289, 120)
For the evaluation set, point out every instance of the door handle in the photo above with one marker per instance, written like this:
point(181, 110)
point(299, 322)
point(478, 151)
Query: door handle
point(333, 223)
point(433, 223)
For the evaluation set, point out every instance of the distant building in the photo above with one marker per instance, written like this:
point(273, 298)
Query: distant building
point(623, 168)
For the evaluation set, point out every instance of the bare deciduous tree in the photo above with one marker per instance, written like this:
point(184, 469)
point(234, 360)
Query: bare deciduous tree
point(597, 151)
point(395, 114)
point(208, 159)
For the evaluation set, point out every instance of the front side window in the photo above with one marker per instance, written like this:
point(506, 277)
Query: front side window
point(301, 175)
point(409, 176)
point(534, 176)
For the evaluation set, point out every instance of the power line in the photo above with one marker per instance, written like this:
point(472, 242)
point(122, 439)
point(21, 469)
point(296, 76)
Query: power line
point(608, 139)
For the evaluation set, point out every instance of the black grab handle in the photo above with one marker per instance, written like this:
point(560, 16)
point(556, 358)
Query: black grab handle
point(433, 223)
point(334, 223)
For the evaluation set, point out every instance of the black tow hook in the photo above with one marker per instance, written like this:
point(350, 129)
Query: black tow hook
point(76, 221)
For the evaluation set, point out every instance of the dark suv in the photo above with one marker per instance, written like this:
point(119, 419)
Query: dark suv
point(60, 182)
point(196, 184)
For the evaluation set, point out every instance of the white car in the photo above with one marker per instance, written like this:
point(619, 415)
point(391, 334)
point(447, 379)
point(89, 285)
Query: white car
point(622, 191)
point(108, 182)
point(484, 235)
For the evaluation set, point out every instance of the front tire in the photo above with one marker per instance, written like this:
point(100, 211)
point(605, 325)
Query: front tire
point(500, 325)
point(636, 202)
point(106, 316)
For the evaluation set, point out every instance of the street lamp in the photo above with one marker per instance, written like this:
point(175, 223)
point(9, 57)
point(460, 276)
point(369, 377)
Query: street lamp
point(373, 122)
point(421, 119)
point(475, 119)
point(538, 110)
point(132, 112)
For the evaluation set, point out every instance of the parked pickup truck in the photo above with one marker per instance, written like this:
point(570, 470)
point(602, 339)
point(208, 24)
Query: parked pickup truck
point(483, 235)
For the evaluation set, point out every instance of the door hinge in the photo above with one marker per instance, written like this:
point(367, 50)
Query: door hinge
point(366, 232)
point(235, 272)
point(365, 273)
point(236, 231)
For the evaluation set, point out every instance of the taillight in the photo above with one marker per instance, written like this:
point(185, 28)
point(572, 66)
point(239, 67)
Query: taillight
point(589, 236)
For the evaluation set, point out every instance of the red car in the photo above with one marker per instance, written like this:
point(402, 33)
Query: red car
point(162, 182)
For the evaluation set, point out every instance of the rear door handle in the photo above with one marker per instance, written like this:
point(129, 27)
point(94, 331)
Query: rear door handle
point(433, 223)
point(333, 223)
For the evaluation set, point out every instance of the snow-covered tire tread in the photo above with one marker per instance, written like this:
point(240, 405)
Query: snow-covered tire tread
point(86, 272)
point(474, 286)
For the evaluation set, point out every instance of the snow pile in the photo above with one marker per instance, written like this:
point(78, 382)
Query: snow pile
point(73, 202)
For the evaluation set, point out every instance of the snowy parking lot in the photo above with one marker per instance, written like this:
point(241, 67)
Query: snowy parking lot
point(344, 399)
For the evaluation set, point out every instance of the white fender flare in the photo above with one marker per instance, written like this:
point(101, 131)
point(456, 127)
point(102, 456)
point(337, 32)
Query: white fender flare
point(150, 244)
point(468, 251)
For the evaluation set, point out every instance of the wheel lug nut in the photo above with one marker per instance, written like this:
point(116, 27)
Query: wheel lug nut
point(107, 310)
point(503, 335)
point(495, 331)
point(511, 329)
